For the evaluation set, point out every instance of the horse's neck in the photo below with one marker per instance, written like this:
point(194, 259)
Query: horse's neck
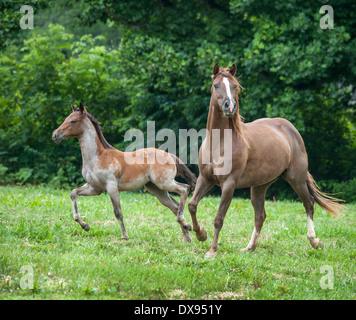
point(90, 144)
point(216, 121)
point(217, 124)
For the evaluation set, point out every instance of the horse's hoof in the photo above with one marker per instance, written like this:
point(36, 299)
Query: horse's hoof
point(86, 227)
point(210, 255)
point(316, 243)
point(125, 238)
point(187, 239)
point(202, 235)
point(320, 244)
point(247, 249)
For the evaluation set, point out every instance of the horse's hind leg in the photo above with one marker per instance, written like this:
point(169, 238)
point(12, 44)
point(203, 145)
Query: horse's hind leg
point(302, 191)
point(86, 190)
point(164, 197)
point(258, 202)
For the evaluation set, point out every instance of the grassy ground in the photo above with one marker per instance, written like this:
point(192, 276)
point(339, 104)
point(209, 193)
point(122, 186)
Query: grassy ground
point(39, 236)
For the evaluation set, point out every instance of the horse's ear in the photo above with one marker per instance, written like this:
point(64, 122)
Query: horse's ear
point(81, 108)
point(233, 69)
point(216, 70)
point(73, 107)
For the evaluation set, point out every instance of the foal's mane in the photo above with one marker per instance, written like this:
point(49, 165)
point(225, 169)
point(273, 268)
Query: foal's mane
point(97, 127)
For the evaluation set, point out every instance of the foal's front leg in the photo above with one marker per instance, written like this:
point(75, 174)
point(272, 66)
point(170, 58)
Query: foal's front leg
point(115, 199)
point(86, 190)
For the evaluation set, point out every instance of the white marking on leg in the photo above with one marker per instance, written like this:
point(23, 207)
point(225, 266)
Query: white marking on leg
point(315, 242)
point(253, 241)
point(311, 232)
point(254, 238)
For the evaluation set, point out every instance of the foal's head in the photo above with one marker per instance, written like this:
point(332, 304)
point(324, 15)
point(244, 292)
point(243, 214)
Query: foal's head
point(72, 125)
point(225, 89)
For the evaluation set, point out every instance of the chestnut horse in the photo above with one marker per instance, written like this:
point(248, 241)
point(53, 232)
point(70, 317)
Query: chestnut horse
point(107, 169)
point(261, 152)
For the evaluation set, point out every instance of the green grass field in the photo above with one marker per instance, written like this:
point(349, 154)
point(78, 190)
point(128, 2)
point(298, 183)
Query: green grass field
point(39, 237)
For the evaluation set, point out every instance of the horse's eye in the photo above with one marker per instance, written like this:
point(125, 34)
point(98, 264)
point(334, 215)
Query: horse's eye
point(216, 86)
point(73, 121)
point(235, 86)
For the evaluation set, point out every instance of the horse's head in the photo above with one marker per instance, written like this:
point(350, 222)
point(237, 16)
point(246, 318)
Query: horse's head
point(72, 125)
point(225, 89)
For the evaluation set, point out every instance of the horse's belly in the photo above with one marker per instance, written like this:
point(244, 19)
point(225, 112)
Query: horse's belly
point(249, 179)
point(262, 170)
point(129, 182)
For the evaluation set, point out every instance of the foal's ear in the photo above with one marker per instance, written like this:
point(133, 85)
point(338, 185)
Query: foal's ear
point(81, 108)
point(233, 69)
point(73, 107)
point(216, 70)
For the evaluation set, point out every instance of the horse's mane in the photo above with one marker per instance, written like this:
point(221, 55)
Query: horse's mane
point(97, 127)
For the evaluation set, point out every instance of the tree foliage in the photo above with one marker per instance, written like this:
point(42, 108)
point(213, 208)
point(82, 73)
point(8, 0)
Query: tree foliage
point(289, 67)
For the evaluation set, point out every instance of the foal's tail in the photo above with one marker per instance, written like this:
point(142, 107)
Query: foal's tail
point(324, 200)
point(184, 172)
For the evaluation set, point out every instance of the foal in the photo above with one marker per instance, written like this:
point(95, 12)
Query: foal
point(108, 169)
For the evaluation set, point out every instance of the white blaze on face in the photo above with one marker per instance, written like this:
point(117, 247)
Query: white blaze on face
point(228, 92)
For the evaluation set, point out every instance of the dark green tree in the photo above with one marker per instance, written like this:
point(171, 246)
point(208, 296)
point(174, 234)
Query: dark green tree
point(289, 66)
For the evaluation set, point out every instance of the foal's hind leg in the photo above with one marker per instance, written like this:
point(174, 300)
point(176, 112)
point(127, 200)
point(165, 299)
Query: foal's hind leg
point(182, 190)
point(258, 202)
point(115, 199)
point(170, 203)
point(86, 190)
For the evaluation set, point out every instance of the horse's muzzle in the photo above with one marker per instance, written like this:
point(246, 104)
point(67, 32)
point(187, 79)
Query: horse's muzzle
point(229, 114)
point(229, 108)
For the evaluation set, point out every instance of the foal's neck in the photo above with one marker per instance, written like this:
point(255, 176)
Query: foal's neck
point(90, 143)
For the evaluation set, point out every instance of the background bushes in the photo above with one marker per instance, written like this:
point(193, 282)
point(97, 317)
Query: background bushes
point(131, 62)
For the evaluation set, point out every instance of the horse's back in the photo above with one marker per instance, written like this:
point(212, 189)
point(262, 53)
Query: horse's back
point(281, 126)
point(274, 144)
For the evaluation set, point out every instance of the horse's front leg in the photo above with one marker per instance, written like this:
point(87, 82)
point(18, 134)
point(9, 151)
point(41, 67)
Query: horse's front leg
point(115, 199)
point(201, 188)
point(86, 190)
point(227, 192)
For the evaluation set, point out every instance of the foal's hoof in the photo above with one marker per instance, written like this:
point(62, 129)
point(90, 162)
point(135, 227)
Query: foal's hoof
point(187, 239)
point(202, 235)
point(86, 227)
point(125, 238)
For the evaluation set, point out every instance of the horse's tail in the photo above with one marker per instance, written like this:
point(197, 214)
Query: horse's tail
point(324, 200)
point(184, 172)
